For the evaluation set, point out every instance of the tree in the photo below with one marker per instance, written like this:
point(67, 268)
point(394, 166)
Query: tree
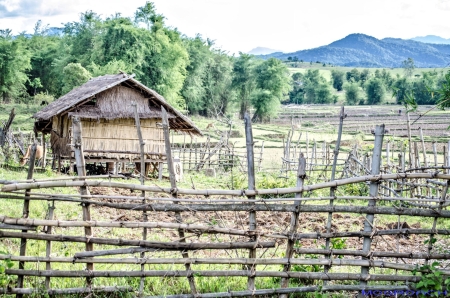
point(244, 81)
point(272, 84)
point(317, 89)
point(443, 92)
point(364, 76)
point(353, 75)
point(74, 75)
point(296, 95)
point(375, 91)
point(408, 67)
point(14, 62)
point(337, 77)
point(45, 72)
point(352, 96)
point(401, 88)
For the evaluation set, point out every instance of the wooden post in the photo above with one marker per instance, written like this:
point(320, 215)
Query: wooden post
point(48, 248)
point(333, 189)
point(301, 175)
point(424, 150)
point(435, 154)
point(448, 157)
point(260, 156)
point(173, 185)
point(25, 214)
point(77, 144)
point(142, 179)
point(373, 192)
point(251, 186)
point(44, 151)
point(408, 125)
point(190, 154)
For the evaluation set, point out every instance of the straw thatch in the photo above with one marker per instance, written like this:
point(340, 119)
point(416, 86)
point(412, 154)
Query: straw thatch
point(94, 99)
point(104, 105)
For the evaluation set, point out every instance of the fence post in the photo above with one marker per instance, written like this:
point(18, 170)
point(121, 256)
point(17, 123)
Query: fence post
point(26, 212)
point(333, 189)
point(251, 186)
point(373, 192)
point(301, 174)
point(48, 246)
point(81, 168)
point(173, 185)
point(142, 179)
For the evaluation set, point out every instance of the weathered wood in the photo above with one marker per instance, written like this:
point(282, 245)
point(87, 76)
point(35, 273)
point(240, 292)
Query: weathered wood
point(379, 254)
point(141, 243)
point(251, 185)
point(48, 245)
point(301, 174)
point(174, 194)
point(67, 291)
point(212, 192)
point(143, 175)
point(332, 178)
point(179, 273)
point(26, 212)
point(211, 261)
point(373, 192)
point(285, 291)
point(77, 143)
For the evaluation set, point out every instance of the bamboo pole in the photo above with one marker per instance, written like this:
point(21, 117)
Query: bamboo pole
point(48, 248)
point(25, 214)
point(301, 175)
point(143, 175)
point(174, 246)
point(424, 150)
point(333, 173)
point(408, 125)
point(67, 291)
point(81, 168)
point(226, 261)
point(173, 185)
point(222, 192)
point(373, 191)
point(286, 291)
point(251, 186)
point(243, 273)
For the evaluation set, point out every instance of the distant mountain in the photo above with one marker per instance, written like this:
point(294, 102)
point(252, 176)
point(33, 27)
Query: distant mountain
point(359, 50)
point(262, 51)
point(432, 39)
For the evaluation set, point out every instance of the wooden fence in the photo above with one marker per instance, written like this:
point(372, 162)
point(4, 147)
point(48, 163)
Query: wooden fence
point(305, 238)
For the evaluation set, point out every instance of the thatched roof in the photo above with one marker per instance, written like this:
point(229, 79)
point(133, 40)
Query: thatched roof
point(72, 103)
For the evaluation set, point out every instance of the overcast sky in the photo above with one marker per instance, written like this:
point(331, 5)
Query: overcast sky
point(241, 25)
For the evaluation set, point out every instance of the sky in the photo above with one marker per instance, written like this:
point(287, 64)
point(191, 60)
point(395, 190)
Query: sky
point(242, 25)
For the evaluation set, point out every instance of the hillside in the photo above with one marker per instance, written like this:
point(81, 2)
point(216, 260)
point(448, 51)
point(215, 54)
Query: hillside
point(432, 39)
point(359, 50)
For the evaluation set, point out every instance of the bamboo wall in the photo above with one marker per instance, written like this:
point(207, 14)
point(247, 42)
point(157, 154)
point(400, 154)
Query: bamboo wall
point(118, 138)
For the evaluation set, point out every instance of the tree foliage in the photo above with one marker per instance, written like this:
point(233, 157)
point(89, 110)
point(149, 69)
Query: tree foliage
point(352, 93)
point(272, 85)
point(14, 62)
point(337, 77)
point(375, 91)
point(74, 75)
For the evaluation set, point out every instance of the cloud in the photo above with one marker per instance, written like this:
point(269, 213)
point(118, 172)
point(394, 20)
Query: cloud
point(30, 8)
point(443, 4)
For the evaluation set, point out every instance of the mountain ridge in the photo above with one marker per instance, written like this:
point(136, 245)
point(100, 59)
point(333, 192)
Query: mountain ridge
point(360, 50)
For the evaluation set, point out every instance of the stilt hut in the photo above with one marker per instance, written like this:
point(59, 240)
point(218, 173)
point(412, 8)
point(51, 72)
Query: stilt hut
point(104, 107)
